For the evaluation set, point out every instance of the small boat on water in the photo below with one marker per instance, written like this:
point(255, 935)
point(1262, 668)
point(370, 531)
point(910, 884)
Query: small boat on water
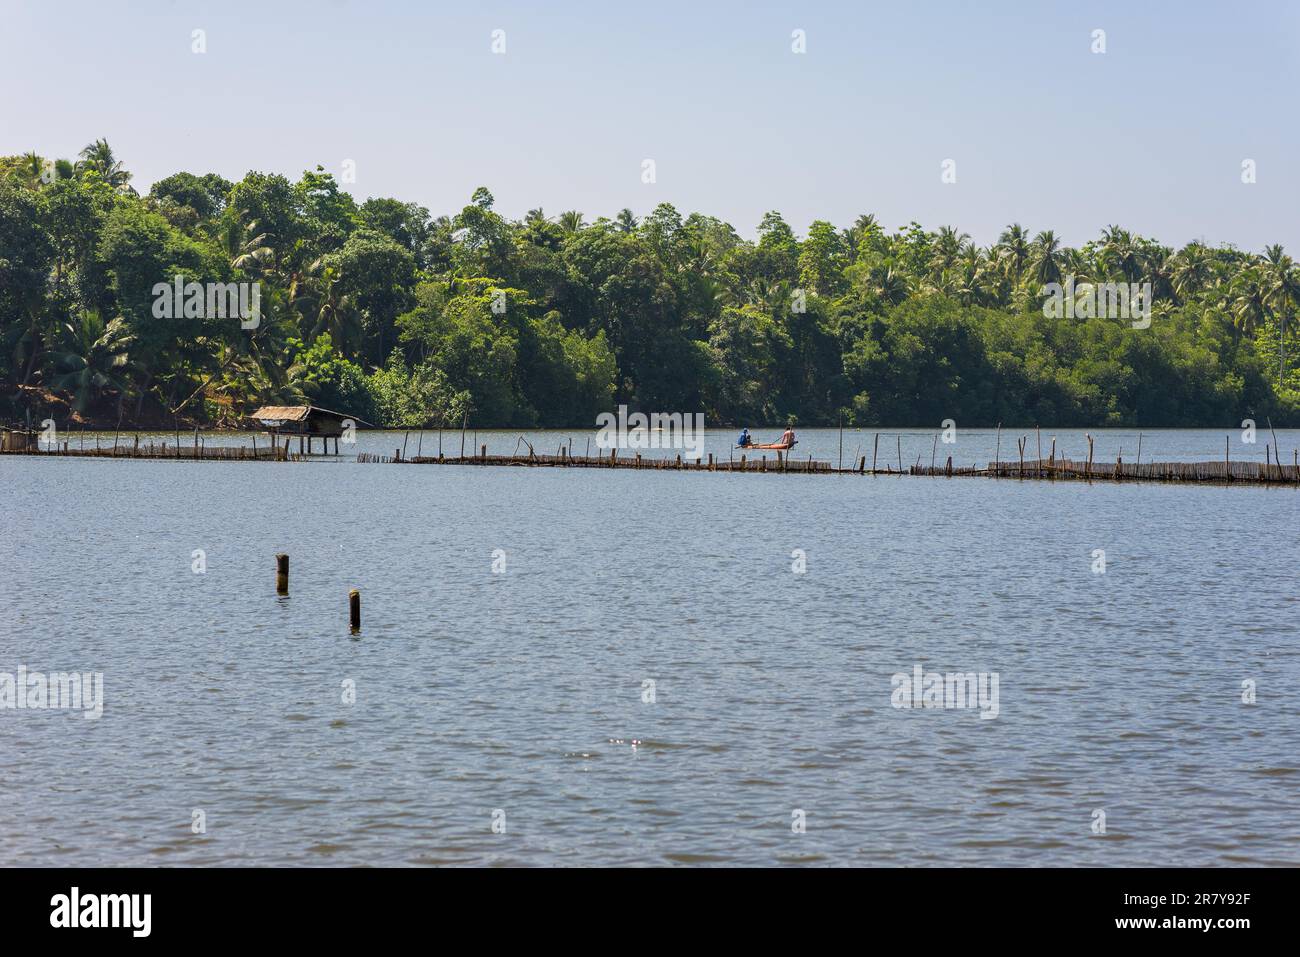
point(771, 445)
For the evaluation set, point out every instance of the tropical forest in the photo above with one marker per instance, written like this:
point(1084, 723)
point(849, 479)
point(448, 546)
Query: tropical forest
point(410, 318)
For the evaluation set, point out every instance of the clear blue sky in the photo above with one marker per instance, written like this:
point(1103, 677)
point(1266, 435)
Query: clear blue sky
point(1150, 134)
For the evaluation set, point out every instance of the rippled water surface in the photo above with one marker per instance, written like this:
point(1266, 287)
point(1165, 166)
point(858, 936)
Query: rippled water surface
point(519, 694)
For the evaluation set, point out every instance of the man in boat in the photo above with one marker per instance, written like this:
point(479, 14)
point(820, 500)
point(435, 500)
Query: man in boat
point(744, 441)
point(787, 439)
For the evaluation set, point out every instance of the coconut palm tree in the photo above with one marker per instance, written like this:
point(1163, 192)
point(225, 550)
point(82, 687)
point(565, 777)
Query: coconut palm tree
point(1282, 286)
point(1014, 243)
point(570, 222)
point(888, 283)
point(1248, 300)
point(1119, 252)
point(626, 221)
point(1158, 269)
point(1045, 258)
point(1077, 263)
point(326, 308)
point(93, 358)
point(948, 244)
point(1192, 270)
point(98, 157)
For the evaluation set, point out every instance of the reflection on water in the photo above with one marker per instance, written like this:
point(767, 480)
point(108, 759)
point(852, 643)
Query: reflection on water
point(519, 697)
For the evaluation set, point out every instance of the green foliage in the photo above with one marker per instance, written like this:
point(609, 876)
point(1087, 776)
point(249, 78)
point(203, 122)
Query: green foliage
point(385, 312)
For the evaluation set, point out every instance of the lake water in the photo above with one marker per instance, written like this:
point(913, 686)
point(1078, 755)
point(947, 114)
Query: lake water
point(517, 697)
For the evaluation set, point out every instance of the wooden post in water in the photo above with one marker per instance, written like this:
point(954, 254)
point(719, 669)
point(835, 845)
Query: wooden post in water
point(482, 452)
point(1138, 463)
point(1227, 468)
point(899, 439)
point(1277, 448)
point(933, 449)
point(874, 450)
point(282, 574)
point(862, 465)
point(354, 610)
point(947, 469)
point(1038, 469)
point(997, 455)
point(841, 462)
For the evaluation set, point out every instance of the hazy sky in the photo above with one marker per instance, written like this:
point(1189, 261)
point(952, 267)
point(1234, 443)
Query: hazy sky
point(1151, 134)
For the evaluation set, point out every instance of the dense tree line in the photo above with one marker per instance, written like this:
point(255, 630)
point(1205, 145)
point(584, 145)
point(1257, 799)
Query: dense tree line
point(407, 319)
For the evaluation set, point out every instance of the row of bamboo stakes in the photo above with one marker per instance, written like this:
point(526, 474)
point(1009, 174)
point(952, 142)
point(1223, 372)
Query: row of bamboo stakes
point(198, 450)
point(1052, 467)
point(1273, 470)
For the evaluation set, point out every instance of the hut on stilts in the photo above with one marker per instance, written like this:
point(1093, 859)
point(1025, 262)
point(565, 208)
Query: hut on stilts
point(307, 422)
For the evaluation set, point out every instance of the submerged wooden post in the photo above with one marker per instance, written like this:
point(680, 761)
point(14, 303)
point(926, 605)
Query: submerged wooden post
point(282, 574)
point(354, 610)
point(874, 450)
